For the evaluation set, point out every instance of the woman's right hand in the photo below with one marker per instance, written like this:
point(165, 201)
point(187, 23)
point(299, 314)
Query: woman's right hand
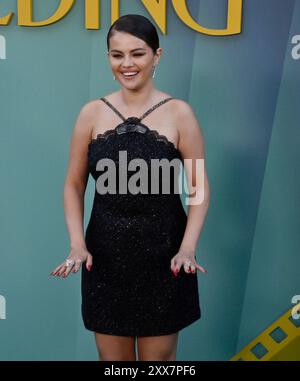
point(78, 256)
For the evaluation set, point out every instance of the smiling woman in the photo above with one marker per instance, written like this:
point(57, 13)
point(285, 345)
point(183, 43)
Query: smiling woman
point(141, 55)
point(136, 53)
point(136, 243)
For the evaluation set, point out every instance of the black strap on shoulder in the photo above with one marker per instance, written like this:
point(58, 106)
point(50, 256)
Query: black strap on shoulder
point(154, 107)
point(113, 108)
point(144, 115)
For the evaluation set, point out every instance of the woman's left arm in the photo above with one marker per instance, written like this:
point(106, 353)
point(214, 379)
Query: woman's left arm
point(191, 146)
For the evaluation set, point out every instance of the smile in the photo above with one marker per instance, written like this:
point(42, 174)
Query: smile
point(130, 75)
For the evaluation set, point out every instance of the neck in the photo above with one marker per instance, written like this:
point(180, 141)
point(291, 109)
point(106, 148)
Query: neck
point(137, 99)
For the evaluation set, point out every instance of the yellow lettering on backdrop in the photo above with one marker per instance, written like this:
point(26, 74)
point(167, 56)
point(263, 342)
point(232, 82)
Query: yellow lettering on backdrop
point(92, 14)
point(5, 20)
point(25, 13)
point(234, 18)
point(157, 9)
point(115, 10)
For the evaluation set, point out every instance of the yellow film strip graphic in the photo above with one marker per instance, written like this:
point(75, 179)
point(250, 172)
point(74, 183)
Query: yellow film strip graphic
point(279, 342)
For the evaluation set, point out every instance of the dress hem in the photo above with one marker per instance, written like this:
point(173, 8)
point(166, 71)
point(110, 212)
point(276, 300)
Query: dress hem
point(140, 334)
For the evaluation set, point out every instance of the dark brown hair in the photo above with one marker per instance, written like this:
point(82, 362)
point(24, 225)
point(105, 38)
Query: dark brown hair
point(137, 25)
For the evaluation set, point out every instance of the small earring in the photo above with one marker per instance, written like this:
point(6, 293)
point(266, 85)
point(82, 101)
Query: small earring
point(114, 77)
point(153, 75)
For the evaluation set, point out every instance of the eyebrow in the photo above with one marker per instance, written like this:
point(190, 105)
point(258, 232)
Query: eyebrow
point(133, 50)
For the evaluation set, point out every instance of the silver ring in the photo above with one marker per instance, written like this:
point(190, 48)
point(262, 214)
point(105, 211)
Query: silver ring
point(188, 263)
point(69, 262)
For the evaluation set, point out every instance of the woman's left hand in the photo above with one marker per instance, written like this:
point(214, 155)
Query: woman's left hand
point(185, 258)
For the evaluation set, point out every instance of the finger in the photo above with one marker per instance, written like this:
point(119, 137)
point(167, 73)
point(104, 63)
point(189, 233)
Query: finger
point(186, 267)
point(89, 262)
point(61, 270)
point(69, 262)
point(179, 263)
point(202, 269)
point(67, 270)
point(77, 266)
point(56, 270)
point(173, 264)
point(192, 265)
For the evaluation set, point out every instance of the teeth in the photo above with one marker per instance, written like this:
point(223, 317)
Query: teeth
point(130, 74)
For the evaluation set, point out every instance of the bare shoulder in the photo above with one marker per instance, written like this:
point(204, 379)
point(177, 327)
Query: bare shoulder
point(85, 121)
point(87, 112)
point(182, 109)
point(90, 108)
point(191, 141)
point(185, 118)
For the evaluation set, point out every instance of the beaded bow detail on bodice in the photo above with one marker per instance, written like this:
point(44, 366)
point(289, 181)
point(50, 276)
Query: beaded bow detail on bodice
point(131, 125)
point(133, 120)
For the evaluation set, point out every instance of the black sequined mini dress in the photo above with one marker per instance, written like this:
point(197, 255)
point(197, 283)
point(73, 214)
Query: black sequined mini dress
point(131, 290)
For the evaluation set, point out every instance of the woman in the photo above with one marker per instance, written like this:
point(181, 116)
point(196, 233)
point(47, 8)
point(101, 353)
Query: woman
point(134, 241)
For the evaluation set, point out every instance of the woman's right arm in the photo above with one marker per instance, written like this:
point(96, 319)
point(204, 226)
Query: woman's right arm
point(74, 190)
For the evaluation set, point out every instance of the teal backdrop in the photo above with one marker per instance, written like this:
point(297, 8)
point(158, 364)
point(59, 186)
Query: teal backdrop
point(244, 90)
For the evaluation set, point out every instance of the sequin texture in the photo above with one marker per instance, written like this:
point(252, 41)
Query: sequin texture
point(131, 290)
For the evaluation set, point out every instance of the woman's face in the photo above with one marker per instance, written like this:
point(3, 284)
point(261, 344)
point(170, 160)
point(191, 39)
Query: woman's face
point(129, 54)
